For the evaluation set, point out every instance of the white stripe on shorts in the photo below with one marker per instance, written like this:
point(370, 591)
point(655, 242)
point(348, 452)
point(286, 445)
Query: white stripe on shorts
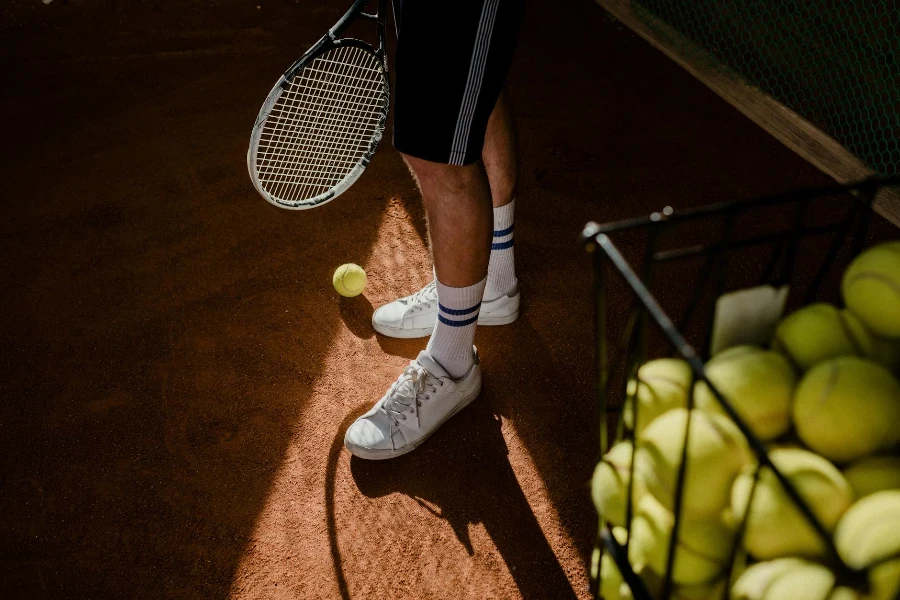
point(473, 84)
point(396, 17)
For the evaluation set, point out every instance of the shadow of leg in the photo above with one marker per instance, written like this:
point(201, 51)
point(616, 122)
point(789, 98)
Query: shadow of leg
point(463, 475)
point(408, 348)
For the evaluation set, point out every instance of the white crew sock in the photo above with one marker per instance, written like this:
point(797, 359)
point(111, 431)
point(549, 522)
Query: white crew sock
point(502, 267)
point(454, 331)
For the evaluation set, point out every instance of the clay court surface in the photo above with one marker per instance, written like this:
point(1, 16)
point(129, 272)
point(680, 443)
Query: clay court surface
point(177, 372)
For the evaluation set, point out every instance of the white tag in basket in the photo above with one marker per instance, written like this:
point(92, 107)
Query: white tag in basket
point(747, 316)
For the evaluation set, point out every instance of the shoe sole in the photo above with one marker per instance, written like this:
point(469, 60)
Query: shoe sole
point(426, 331)
point(367, 454)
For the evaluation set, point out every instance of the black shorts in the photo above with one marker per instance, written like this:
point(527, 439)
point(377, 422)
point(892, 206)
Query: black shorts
point(451, 64)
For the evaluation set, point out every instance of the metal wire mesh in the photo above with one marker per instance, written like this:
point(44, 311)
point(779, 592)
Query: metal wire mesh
point(796, 245)
point(835, 62)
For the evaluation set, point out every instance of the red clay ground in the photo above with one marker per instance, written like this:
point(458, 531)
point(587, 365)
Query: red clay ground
point(178, 373)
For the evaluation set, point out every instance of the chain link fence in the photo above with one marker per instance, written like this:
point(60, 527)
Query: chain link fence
point(835, 62)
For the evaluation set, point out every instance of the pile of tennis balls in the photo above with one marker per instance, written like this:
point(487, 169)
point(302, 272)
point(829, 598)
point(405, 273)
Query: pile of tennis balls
point(825, 399)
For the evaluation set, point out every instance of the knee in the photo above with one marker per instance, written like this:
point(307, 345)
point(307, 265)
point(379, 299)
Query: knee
point(449, 178)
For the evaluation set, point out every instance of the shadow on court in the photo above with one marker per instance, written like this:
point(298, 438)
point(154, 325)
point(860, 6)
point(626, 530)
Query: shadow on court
point(463, 477)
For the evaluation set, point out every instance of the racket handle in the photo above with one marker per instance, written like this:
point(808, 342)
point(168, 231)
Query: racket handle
point(348, 17)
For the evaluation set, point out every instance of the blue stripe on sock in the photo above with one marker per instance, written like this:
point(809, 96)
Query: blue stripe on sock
point(453, 311)
point(502, 245)
point(447, 321)
point(503, 232)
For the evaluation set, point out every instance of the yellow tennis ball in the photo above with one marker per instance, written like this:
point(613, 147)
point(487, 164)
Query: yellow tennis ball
point(349, 280)
point(870, 530)
point(846, 593)
point(701, 591)
point(871, 288)
point(868, 534)
point(858, 331)
point(610, 576)
point(775, 527)
point(660, 385)
point(701, 552)
point(609, 485)
point(818, 332)
point(654, 582)
point(885, 351)
point(757, 579)
point(716, 454)
point(873, 474)
point(884, 580)
point(847, 407)
point(758, 383)
point(789, 579)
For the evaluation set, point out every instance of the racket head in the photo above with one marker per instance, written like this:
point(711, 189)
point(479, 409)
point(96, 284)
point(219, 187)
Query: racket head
point(320, 125)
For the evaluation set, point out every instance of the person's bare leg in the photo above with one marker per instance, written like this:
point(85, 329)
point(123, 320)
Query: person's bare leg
point(460, 225)
point(499, 152)
point(460, 222)
point(501, 165)
point(441, 115)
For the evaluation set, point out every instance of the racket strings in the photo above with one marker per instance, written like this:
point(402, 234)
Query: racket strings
point(291, 130)
point(335, 153)
point(298, 99)
point(322, 125)
point(331, 115)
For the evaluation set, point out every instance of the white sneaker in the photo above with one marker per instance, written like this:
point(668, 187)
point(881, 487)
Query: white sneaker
point(422, 398)
point(415, 315)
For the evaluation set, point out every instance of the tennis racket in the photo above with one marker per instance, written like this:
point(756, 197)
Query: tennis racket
point(323, 120)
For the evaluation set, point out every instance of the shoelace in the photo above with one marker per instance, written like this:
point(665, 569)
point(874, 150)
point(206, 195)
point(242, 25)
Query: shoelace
point(406, 394)
point(426, 294)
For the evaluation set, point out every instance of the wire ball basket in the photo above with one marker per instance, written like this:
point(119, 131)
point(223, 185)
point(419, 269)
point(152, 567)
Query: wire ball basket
point(789, 249)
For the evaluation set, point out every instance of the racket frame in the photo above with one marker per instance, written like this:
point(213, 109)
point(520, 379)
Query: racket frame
point(326, 43)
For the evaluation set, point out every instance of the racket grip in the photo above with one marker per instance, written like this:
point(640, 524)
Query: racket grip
point(348, 17)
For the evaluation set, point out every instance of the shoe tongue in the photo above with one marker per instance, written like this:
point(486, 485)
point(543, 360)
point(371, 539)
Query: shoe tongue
point(431, 365)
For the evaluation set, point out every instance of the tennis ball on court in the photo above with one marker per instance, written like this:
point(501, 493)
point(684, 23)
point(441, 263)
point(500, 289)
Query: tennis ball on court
point(609, 485)
point(870, 533)
point(660, 385)
point(716, 453)
point(349, 280)
point(758, 383)
point(873, 474)
point(789, 579)
point(847, 407)
point(775, 527)
point(701, 551)
point(818, 332)
point(871, 288)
